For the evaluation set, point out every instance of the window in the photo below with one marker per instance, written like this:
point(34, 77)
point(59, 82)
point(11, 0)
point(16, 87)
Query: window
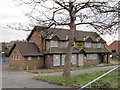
point(87, 44)
point(63, 59)
point(91, 56)
point(66, 43)
point(73, 59)
point(99, 45)
point(13, 57)
point(18, 57)
point(54, 43)
point(29, 58)
point(56, 60)
point(38, 58)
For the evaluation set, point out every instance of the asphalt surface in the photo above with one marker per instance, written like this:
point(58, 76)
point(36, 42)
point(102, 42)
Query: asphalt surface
point(77, 72)
point(12, 78)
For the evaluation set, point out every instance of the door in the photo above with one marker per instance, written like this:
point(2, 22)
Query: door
point(80, 59)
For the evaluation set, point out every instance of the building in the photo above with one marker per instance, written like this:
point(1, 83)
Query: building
point(114, 46)
point(47, 49)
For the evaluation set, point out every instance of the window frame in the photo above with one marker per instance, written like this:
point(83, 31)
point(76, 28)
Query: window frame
point(87, 44)
point(99, 45)
point(56, 63)
point(29, 58)
point(63, 59)
point(55, 43)
point(74, 61)
point(38, 57)
point(18, 57)
point(13, 57)
point(92, 56)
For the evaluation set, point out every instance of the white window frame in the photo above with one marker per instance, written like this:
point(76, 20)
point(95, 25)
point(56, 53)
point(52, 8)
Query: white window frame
point(73, 59)
point(63, 59)
point(92, 56)
point(53, 43)
point(29, 58)
point(56, 60)
point(88, 44)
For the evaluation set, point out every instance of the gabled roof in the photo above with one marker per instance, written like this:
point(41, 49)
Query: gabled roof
point(26, 48)
point(62, 33)
point(97, 50)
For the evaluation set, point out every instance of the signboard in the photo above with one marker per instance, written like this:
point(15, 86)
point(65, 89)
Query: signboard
point(79, 44)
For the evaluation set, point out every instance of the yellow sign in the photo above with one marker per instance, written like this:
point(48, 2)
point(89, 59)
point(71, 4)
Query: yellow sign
point(79, 44)
point(85, 58)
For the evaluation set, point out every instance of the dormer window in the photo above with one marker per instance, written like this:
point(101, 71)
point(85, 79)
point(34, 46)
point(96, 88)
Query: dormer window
point(67, 44)
point(87, 44)
point(99, 45)
point(54, 43)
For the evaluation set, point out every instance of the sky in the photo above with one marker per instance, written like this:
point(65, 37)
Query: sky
point(10, 14)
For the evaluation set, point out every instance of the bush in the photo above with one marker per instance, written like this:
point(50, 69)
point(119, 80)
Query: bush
point(101, 84)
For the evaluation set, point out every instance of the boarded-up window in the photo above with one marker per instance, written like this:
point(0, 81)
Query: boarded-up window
point(87, 44)
point(56, 60)
point(91, 56)
point(73, 59)
point(99, 45)
point(63, 59)
point(54, 43)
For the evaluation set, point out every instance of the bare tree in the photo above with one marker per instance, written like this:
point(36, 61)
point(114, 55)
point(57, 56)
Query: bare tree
point(100, 16)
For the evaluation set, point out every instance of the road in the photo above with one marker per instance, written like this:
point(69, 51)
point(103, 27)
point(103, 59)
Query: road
point(77, 72)
point(12, 78)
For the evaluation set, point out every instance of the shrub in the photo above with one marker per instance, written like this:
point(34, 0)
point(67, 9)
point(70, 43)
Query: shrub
point(101, 84)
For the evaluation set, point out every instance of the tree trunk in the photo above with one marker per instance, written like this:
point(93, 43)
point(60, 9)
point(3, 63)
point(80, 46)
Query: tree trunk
point(67, 66)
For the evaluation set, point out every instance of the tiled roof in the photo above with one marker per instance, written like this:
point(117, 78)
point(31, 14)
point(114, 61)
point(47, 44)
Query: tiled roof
point(27, 48)
point(97, 50)
point(56, 50)
point(62, 33)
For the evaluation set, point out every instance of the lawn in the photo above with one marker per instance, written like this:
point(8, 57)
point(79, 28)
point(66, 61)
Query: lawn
point(80, 80)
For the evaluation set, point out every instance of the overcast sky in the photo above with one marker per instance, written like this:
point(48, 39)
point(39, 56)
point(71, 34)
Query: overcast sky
point(11, 14)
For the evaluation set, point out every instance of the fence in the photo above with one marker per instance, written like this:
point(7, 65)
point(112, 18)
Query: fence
point(4, 59)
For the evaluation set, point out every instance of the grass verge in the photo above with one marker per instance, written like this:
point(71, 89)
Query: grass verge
point(80, 80)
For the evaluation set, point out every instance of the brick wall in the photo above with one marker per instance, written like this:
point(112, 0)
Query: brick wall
point(23, 63)
point(17, 63)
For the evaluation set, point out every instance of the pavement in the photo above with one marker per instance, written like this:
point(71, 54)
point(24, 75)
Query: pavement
point(12, 78)
point(77, 72)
